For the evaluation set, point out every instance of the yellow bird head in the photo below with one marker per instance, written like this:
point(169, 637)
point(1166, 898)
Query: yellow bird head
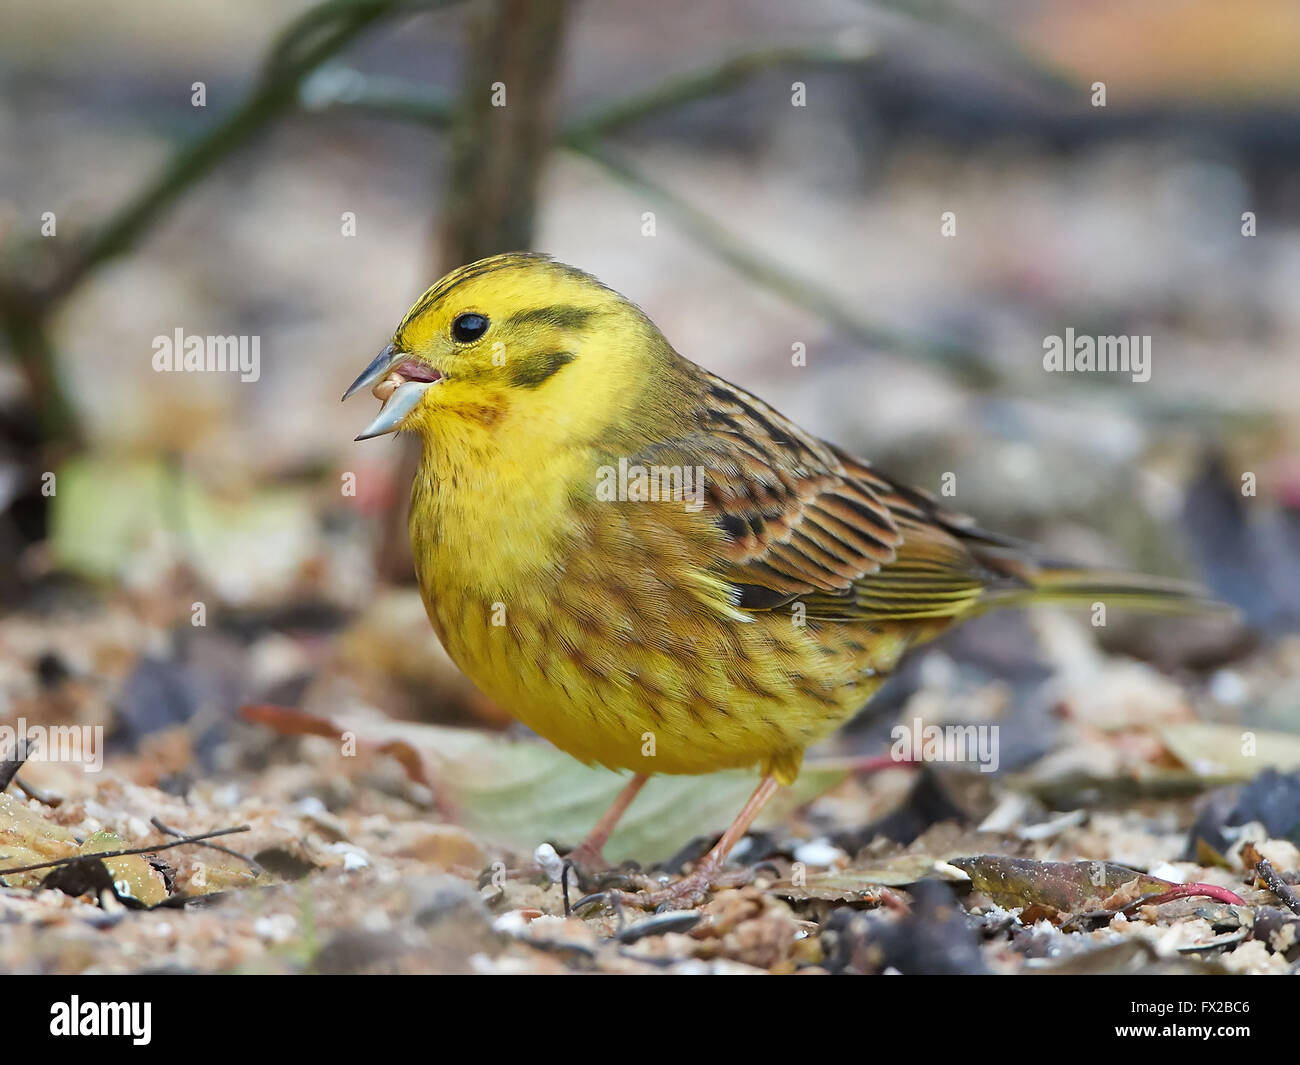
point(514, 344)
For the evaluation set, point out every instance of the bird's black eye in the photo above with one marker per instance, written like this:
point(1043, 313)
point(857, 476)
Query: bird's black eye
point(468, 327)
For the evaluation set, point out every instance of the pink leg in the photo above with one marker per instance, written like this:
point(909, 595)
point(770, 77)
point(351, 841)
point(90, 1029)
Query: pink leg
point(691, 890)
point(589, 853)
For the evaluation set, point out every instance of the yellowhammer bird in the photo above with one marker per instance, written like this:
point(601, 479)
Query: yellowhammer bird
point(650, 567)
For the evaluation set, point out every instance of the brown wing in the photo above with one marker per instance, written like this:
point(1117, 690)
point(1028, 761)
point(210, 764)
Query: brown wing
point(805, 521)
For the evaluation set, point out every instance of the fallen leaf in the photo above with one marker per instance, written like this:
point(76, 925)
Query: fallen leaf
point(1216, 751)
point(133, 877)
point(1074, 887)
point(27, 838)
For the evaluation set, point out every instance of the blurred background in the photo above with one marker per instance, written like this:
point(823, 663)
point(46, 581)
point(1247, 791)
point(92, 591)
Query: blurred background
point(756, 175)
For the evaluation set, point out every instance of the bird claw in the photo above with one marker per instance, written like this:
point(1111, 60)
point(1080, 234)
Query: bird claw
point(589, 871)
point(683, 894)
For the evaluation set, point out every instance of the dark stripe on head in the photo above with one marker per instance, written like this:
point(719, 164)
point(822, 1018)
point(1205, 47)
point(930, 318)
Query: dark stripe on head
point(558, 317)
point(468, 273)
point(531, 371)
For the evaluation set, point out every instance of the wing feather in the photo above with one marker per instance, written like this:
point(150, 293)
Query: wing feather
point(804, 520)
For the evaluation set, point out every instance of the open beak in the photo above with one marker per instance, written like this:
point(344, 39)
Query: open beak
point(400, 381)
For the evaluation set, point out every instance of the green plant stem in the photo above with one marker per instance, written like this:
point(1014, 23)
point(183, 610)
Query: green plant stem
point(309, 41)
point(971, 30)
point(846, 50)
point(28, 338)
point(962, 362)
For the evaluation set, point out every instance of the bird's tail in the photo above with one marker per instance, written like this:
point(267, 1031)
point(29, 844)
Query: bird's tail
point(1043, 582)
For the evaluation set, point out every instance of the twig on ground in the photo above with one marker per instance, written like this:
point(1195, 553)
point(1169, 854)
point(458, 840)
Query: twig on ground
point(1274, 882)
point(167, 830)
point(55, 862)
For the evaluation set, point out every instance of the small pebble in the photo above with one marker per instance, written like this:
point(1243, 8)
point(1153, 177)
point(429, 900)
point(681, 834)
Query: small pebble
point(819, 852)
point(550, 862)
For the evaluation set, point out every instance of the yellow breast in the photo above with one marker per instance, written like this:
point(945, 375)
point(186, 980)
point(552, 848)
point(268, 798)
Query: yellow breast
point(602, 631)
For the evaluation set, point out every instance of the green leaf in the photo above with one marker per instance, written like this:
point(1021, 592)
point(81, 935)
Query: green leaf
point(518, 794)
point(1231, 751)
point(108, 517)
point(133, 877)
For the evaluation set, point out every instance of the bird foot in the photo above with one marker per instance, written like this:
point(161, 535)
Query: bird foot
point(681, 894)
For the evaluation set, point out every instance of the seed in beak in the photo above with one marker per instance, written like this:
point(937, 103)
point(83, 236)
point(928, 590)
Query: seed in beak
point(410, 370)
point(400, 389)
point(385, 388)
